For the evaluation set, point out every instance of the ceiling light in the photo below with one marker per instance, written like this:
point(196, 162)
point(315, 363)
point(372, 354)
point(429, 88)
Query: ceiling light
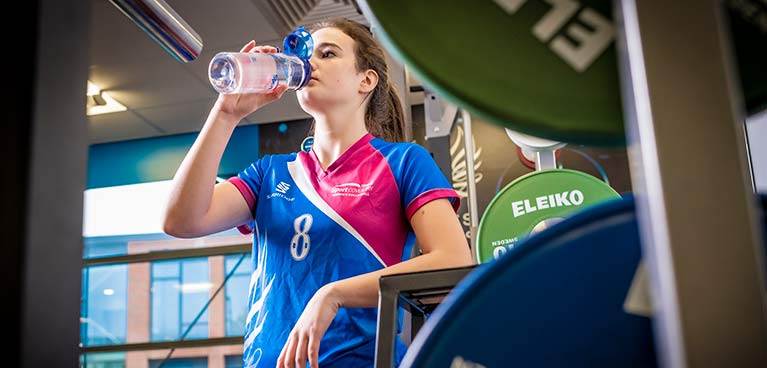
point(100, 102)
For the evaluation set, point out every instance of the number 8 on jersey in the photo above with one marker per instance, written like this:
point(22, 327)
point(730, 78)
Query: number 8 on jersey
point(299, 246)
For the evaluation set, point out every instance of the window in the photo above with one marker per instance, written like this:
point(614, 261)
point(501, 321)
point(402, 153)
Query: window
point(180, 289)
point(140, 286)
point(103, 312)
point(102, 360)
point(233, 361)
point(236, 291)
point(180, 363)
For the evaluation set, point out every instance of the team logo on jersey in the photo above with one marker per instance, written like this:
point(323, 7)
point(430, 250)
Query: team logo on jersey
point(299, 245)
point(352, 190)
point(281, 188)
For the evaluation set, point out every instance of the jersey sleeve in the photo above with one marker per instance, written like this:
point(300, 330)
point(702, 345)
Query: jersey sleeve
point(422, 182)
point(248, 182)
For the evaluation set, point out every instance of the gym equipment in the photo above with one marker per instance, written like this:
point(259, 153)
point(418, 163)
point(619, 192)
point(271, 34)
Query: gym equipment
point(543, 69)
point(542, 152)
point(419, 293)
point(534, 202)
point(164, 25)
point(557, 300)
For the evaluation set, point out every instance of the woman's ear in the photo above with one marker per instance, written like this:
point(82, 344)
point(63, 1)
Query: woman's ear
point(369, 82)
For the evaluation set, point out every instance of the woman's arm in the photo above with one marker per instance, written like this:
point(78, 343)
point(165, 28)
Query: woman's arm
point(197, 205)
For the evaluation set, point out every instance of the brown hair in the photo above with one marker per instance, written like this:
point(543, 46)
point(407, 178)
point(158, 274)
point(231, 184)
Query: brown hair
point(383, 117)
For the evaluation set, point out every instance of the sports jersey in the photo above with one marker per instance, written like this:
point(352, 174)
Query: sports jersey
point(313, 226)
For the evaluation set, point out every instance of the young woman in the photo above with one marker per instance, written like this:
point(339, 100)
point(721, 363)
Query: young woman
point(328, 223)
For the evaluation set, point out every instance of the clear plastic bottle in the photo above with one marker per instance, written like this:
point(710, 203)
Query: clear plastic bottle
point(243, 72)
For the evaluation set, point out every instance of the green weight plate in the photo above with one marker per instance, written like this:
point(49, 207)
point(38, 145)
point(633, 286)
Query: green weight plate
point(545, 70)
point(533, 202)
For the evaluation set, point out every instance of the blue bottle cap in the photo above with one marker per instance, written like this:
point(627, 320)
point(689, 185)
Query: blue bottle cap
point(299, 43)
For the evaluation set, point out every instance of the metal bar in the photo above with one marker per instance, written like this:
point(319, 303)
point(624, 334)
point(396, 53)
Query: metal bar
point(439, 118)
point(216, 341)
point(168, 254)
point(387, 325)
point(163, 25)
point(545, 160)
point(391, 288)
point(695, 208)
point(472, 185)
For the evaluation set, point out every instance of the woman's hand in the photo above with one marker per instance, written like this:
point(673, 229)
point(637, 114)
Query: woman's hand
point(304, 340)
point(240, 105)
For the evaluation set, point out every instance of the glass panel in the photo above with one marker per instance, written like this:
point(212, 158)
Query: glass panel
point(233, 361)
point(229, 355)
point(165, 270)
point(105, 246)
point(179, 297)
point(166, 304)
point(157, 301)
point(180, 363)
point(103, 360)
point(103, 314)
point(236, 291)
point(195, 292)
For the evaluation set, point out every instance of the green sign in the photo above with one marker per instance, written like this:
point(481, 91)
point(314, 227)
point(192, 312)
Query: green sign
point(532, 203)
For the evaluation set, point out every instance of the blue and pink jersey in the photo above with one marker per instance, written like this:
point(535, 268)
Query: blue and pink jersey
point(314, 226)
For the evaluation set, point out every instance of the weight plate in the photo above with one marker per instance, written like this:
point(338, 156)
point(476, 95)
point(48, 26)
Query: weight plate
point(532, 203)
point(541, 69)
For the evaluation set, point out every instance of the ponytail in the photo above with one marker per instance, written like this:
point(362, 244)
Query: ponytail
point(384, 118)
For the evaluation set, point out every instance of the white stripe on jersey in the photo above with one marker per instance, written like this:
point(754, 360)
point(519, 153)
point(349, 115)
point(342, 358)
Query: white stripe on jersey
point(305, 186)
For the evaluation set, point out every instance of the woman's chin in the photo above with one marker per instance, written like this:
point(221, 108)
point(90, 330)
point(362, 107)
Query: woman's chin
point(309, 100)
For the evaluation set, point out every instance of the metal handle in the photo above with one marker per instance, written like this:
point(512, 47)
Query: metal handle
point(164, 25)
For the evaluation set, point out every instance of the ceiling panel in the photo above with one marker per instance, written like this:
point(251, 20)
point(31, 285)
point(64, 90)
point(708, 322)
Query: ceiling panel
point(224, 22)
point(150, 84)
point(116, 40)
point(118, 126)
point(179, 118)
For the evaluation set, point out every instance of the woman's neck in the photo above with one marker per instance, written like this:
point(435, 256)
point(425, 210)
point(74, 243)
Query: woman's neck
point(333, 135)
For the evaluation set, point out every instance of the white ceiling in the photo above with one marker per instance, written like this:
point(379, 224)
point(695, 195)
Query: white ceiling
point(165, 96)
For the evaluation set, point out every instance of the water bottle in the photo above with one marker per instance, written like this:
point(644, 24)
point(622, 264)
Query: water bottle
point(244, 72)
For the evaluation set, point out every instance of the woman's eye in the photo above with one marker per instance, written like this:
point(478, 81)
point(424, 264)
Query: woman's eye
point(328, 53)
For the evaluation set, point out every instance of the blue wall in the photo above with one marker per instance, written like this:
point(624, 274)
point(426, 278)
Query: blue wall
point(154, 159)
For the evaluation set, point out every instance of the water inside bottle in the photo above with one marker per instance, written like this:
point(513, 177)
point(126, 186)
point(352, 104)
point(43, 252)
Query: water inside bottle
point(222, 74)
point(256, 72)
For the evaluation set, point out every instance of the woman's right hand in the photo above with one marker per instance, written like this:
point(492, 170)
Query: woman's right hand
point(240, 105)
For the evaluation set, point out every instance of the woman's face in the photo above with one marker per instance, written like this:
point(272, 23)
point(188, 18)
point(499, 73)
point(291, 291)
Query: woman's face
point(335, 79)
